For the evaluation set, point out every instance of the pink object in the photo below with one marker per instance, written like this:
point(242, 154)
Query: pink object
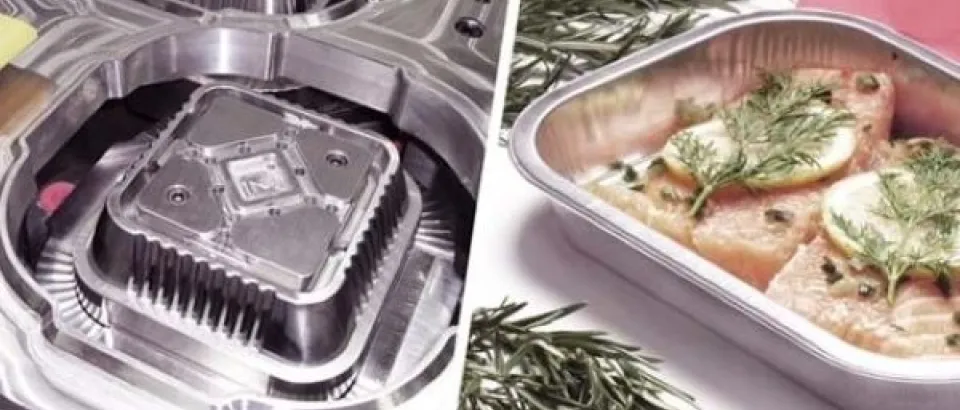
point(930, 22)
point(53, 195)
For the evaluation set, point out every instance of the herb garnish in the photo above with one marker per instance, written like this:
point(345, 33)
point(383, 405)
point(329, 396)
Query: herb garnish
point(774, 131)
point(920, 202)
point(512, 363)
point(558, 40)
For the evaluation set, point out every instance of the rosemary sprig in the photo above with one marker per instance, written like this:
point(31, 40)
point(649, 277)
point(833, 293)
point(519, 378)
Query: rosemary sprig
point(558, 40)
point(921, 203)
point(774, 131)
point(512, 363)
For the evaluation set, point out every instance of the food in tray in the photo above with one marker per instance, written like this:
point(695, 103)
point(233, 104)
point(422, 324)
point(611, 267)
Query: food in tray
point(797, 189)
point(748, 232)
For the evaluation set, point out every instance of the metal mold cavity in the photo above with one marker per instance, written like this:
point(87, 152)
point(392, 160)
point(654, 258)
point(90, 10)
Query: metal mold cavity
point(133, 281)
point(326, 269)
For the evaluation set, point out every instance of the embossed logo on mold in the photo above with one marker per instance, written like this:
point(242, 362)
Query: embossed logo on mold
point(259, 177)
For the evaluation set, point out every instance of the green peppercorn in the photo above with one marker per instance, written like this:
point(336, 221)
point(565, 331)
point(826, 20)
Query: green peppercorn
point(630, 174)
point(867, 83)
point(668, 195)
point(774, 215)
point(656, 166)
point(833, 275)
point(689, 112)
point(944, 285)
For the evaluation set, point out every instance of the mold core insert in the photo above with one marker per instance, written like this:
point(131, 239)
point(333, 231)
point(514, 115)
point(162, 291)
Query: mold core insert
point(254, 192)
point(255, 219)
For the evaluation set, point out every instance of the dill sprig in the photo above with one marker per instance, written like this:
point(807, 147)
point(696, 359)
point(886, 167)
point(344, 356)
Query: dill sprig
point(774, 131)
point(513, 363)
point(558, 40)
point(920, 203)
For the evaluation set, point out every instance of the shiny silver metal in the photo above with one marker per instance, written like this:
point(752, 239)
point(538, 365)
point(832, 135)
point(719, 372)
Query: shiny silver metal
point(94, 101)
point(253, 229)
point(623, 108)
point(258, 6)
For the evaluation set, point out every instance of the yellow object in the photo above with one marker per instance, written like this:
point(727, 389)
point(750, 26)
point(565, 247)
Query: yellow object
point(15, 35)
point(831, 159)
point(856, 199)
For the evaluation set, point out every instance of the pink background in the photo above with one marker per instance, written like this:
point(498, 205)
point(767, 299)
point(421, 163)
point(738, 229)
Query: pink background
point(935, 23)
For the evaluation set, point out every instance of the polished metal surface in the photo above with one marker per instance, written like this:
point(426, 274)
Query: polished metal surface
point(626, 108)
point(241, 181)
point(347, 137)
point(259, 6)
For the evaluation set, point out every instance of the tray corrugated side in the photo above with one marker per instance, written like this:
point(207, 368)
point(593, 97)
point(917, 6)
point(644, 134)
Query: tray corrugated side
point(626, 108)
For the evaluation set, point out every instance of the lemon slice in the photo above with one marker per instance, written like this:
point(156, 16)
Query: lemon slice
point(836, 152)
point(15, 35)
point(855, 200)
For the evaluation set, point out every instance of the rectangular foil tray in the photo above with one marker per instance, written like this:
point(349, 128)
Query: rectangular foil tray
point(625, 108)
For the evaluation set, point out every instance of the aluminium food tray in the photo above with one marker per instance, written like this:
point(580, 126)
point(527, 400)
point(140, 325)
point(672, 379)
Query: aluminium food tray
point(607, 114)
point(108, 72)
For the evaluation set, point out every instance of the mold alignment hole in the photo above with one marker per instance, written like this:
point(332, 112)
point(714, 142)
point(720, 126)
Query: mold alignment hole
point(337, 159)
point(470, 27)
point(178, 195)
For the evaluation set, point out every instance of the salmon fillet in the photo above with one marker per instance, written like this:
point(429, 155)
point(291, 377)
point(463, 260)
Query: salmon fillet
point(873, 112)
point(840, 308)
point(918, 325)
point(660, 205)
point(929, 319)
point(753, 236)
